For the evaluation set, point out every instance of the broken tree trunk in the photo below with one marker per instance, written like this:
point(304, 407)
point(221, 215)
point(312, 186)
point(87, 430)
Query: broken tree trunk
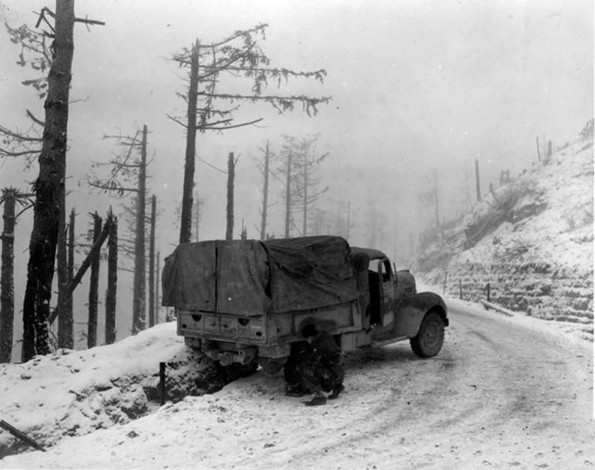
point(63, 281)
point(157, 294)
point(68, 320)
point(139, 312)
point(497, 308)
point(7, 276)
point(152, 262)
point(288, 195)
point(477, 186)
point(83, 269)
point(112, 279)
point(265, 192)
point(230, 183)
point(20, 435)
point(94, 286)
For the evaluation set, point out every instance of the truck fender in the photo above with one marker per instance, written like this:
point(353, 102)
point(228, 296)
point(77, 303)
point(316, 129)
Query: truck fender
point(414, 308)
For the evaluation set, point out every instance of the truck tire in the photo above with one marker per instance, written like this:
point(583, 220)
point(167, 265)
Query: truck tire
point(429, 338)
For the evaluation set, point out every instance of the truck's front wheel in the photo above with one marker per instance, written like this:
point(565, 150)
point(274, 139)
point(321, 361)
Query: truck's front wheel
point(429, 338)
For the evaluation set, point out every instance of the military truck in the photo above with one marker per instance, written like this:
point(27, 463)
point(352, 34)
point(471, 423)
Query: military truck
point(245, 302)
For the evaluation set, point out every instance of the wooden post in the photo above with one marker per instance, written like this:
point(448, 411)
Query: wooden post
point(162, 381)
point(488, 291)
point(460, 289)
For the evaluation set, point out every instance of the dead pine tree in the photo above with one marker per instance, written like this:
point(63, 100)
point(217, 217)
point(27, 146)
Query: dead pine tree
point(307, 185)
point(298, 165)
point(157, 284)
point(198, 203)
point(286, 173)
point(139, 307)
point(49, 186)
point(265, 169)
point(477, 186)
point(231, 172)
point(65, 273)
point(94, 285)
point(9, 198)
point(237, 57)
point(128, 175)
point(152, 261)
point(112, 279)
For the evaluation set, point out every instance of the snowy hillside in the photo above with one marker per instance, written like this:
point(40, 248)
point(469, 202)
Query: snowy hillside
point(72, 393)
point(531, 240)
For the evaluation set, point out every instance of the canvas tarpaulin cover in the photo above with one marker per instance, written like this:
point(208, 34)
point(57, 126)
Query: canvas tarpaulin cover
point(252, 277)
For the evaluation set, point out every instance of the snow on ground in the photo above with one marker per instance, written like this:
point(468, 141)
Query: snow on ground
point(72, 393)
point(252, 424)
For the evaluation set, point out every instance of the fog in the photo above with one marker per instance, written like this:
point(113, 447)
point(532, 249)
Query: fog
point(416, 86)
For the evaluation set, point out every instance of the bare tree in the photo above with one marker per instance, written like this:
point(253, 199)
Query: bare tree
point(299, 164)
point(237, 56)
point(94, 286)
point(128, 175)
point(112, 279)
point(49, 146)
point(307, 185)
point(65, 274)
point(9, 198)
point(265, 169)
point(231, 172)
point(49, 186)
point(286, 174)
point(197, 215)
point(152, 261)
point(477, 185)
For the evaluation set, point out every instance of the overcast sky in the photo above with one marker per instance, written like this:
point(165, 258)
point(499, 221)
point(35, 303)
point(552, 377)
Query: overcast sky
point(416, 85)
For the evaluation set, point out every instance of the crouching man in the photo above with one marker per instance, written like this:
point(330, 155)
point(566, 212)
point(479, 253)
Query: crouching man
point(319, 369)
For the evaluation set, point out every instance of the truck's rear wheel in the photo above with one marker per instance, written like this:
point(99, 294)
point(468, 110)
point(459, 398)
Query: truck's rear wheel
point(429, 338)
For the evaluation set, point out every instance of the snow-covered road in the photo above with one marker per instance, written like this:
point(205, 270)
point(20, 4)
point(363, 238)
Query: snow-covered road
point(503, 393)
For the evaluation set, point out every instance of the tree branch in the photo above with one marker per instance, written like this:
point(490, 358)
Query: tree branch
point(210, 127)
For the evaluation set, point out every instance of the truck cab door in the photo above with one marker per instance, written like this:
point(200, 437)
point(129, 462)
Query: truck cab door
point(387, 292)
